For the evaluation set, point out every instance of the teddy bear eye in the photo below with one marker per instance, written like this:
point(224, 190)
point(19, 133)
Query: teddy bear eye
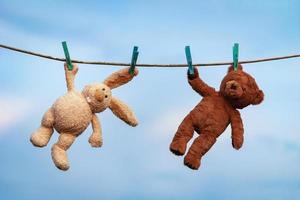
point(105, 96)
point(103, 89)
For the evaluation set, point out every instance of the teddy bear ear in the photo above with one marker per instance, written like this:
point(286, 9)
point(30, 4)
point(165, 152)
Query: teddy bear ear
point(259, 98)
point(240, 67)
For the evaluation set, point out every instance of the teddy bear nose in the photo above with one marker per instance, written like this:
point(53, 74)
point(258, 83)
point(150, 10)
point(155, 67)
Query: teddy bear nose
point(233, 87)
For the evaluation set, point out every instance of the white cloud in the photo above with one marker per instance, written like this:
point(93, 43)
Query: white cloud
point(46, 44)
point(167, 123)
point(13, 110)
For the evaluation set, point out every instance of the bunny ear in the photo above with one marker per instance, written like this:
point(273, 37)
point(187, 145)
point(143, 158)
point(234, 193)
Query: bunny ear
point(122, 111)
point(119, 78)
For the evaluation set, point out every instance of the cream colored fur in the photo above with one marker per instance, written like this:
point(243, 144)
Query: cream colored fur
point(72, 113)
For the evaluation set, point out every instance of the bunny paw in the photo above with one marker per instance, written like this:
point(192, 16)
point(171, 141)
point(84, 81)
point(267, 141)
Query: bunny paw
point(95, 142)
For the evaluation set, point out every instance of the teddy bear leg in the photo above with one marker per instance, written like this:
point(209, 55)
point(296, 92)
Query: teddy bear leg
point(59, 154)
point(42, 135)
point(199, 147)
point(183, 135)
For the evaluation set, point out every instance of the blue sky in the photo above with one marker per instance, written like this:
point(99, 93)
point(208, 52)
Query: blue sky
point(135, 163)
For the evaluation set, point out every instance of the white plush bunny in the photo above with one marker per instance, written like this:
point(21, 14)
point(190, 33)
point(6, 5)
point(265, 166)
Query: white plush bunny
point(71, 114)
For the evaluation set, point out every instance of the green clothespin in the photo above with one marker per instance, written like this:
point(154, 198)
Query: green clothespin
point(134, 58)
point(67, 55)
point(189, 60)
point(235, 51)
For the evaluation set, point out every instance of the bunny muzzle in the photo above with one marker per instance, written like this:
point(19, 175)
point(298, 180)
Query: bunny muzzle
point(99, 95)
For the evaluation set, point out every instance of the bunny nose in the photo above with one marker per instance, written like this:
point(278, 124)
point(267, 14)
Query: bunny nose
point(99, 95)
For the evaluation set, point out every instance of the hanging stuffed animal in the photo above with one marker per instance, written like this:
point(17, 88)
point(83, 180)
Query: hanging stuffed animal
point(214, 113)
point(71, 114)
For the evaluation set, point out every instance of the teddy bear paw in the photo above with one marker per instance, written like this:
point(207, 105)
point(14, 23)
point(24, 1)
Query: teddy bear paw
point(192, 162)
point(237, 143)
point(178, 147)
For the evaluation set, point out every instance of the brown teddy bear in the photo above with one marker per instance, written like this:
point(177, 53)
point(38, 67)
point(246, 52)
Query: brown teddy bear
point(214, 113)
point(71, 114)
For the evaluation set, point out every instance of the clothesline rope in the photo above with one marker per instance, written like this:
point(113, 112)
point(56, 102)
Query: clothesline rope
point(146, 65)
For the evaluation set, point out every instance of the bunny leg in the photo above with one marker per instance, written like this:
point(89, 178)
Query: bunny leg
point(199, 147)
point(42, 135)
point(59, 154)
point(182, 137)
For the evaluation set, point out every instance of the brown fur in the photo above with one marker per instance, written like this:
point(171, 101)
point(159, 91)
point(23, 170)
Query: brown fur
point(72, 113)
point(214, 113)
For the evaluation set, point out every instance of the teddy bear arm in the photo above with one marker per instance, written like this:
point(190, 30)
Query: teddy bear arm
point(237, 130)
point(96, 138)
point(201, 87)
point(119, 78)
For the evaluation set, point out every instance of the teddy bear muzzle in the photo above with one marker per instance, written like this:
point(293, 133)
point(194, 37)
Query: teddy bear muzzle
point(233, 89)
